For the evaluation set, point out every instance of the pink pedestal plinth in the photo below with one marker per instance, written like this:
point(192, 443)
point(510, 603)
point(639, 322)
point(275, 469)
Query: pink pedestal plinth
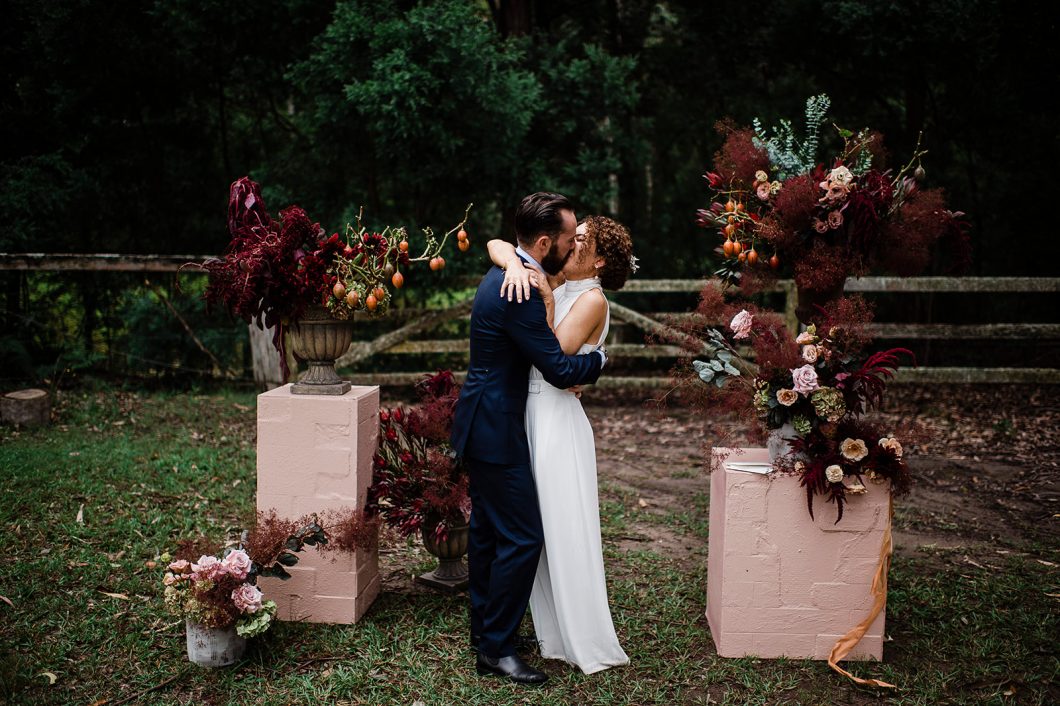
point(314, 454)
point(780, 584)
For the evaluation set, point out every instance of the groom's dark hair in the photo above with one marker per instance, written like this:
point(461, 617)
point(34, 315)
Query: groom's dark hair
point(540, 214)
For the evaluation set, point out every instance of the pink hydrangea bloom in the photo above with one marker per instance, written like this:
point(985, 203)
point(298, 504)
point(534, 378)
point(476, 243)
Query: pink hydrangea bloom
point(247, 598)
point(208, 567)
point(741, 324)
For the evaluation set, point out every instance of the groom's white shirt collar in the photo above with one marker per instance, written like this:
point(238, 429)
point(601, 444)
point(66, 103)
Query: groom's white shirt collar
point(526, 256)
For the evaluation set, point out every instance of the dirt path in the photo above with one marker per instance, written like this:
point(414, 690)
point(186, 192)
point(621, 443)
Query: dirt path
point(986, 468)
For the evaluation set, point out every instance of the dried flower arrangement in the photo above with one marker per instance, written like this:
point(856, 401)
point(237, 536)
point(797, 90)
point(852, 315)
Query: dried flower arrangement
point(821, 383)
point(774, 205)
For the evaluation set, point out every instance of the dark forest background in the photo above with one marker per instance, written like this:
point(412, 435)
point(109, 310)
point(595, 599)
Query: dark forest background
point(124, 122)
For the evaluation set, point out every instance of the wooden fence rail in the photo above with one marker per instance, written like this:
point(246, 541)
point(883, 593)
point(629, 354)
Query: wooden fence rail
point(417, 321)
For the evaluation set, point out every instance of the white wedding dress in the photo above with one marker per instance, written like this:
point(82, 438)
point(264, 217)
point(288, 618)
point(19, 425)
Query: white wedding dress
point(569, 600)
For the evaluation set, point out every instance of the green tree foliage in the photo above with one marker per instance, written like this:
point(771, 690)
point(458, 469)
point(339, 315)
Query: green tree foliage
point(122, 124)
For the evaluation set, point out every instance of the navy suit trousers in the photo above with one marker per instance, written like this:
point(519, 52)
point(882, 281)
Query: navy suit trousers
point(503, 550)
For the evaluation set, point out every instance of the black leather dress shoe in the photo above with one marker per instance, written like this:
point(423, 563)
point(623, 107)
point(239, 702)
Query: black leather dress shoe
point(512, 667)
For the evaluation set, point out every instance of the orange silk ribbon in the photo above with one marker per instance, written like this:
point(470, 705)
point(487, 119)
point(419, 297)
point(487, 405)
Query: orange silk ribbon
point(879, 589)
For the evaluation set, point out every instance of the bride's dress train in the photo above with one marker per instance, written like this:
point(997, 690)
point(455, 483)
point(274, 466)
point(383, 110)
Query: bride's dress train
point(569, 604)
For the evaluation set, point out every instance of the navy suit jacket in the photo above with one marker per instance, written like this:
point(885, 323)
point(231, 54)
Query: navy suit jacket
point(506, 338)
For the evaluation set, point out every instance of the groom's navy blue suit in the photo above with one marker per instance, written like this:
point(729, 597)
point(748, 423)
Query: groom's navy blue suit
point(489, 432)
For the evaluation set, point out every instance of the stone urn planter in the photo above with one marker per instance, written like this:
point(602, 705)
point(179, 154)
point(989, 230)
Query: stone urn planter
point(451, 574)
point(320, 340)
point(213, 647)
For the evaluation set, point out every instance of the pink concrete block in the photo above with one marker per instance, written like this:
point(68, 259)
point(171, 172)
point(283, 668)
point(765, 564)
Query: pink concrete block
point(315, 454)
point(807, 580)
point(782, 644)
point(736, 644)
point(869, 649)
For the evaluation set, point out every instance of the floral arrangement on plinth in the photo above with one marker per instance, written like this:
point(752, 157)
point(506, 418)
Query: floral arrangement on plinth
point(814, 388)
point(774, 205)
point(220, 590)
point(273, 270)
point(418, 482)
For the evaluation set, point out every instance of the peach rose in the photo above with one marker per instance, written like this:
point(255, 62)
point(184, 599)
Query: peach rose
point(892, 444)
point(853, 449)
point(180, 566)
point(805, 338)
point(809, 354)
point(762, 191)
point(820, 226)
point(835, 219)
point(787, 397)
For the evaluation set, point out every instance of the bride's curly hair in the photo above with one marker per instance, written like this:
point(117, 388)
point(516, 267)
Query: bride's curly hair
point(615, 246)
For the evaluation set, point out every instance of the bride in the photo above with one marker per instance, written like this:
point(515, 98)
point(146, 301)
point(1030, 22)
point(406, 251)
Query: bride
point(569, 599)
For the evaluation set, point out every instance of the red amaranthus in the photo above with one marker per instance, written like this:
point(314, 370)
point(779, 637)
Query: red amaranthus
point(273, 270)
point(418, 483)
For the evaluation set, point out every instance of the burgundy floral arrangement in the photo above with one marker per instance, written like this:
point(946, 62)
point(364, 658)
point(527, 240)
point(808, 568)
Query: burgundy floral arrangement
point(418, 483)
point(774, 205)
point(273, 270)
point(810, 391)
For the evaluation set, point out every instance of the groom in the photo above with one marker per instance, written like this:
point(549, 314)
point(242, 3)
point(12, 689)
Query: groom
point(488, 431)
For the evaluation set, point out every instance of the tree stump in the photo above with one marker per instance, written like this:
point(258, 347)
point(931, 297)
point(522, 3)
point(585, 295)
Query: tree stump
point(25, 408)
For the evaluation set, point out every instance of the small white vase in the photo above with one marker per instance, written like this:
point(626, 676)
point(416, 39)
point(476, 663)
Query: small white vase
point(777, 441)
point(213, 647)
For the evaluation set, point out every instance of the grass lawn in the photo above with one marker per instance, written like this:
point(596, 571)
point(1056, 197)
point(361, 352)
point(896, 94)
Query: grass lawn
point(123, 476)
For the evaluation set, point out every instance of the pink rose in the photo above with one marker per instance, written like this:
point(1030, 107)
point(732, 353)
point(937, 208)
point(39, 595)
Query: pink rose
point(208, 567)
point(169, 579)
point(841, 175)
point(247, 598)
point(762, 190)
point(804, 379)
point(180, 566)
point(237, 564)
point(809, 354)
point(804, 338)
point(741, 324)
point(835, 219)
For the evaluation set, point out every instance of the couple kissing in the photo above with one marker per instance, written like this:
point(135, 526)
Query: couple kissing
point(538, 324)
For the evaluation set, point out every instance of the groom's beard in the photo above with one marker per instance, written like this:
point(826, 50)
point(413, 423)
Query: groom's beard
point(552, 263)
